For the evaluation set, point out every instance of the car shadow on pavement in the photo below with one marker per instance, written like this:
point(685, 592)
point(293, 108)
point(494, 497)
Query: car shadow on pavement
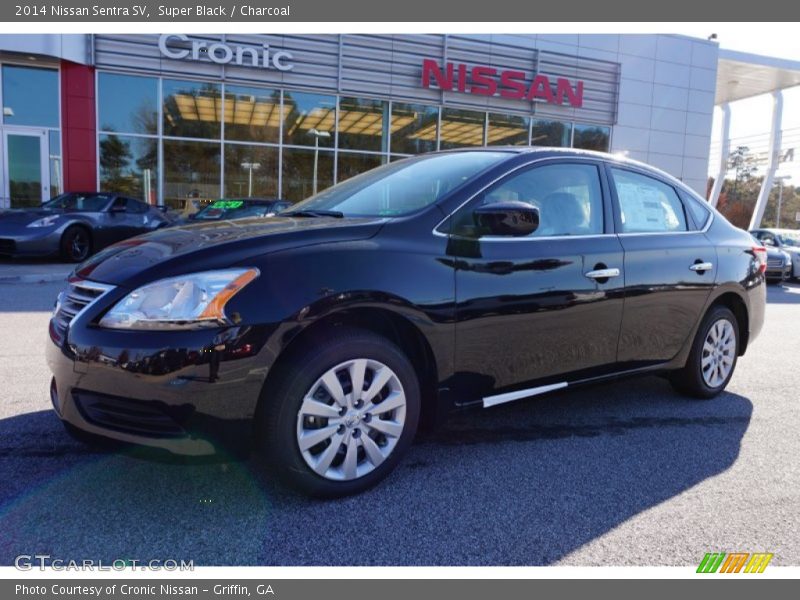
point(520, 484)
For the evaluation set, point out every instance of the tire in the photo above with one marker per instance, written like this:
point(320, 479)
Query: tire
point(76, 244)
point(714, 334)
point(280, 425)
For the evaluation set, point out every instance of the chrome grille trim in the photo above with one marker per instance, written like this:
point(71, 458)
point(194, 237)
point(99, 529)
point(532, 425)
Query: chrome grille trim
point(78, 297)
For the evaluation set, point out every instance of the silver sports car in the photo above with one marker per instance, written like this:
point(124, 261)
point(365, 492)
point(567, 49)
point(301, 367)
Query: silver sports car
point(75, 224)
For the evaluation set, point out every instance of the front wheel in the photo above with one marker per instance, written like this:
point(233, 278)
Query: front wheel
point(712, 359)
point(76, 244)
point(339, 415)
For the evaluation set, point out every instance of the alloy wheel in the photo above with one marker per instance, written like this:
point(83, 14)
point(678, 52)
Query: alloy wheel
point(719, 352)
point(351, 419)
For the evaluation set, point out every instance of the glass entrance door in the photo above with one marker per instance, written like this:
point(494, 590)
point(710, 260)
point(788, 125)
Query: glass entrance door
point(26, 168)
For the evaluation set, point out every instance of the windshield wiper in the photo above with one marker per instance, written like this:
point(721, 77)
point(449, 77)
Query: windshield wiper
point(313, 213)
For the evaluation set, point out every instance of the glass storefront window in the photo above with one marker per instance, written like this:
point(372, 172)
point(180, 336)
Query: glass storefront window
point(361, 124)
point(252, 114)
point(306, 171)
point(251, 171)
point(30, 96)
point(309, 119)
point(127, 104)
point(507, 130)
point(551, 133)
point(129, 165)
point(191, 172)
point(56, 167)
point(351, 164)
point(414, 128)
point(461, 128)
point(591, 137)
point(192, 109)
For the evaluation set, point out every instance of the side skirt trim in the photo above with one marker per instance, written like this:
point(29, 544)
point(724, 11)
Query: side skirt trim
point(510, 396)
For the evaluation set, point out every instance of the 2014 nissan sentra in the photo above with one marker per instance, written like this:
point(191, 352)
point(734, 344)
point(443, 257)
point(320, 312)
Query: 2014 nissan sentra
point(323, 336)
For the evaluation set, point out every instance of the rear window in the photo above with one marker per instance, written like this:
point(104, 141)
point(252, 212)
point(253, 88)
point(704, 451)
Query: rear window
point(647, 205)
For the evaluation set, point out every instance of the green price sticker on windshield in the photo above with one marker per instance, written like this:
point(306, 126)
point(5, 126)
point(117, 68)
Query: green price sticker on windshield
point(227, 204)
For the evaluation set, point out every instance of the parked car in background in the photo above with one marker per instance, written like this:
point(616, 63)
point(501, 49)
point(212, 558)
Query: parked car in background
point(76, 224)
point(236, 208)
point(779, 263)
point(787, 240)
point(324, 335)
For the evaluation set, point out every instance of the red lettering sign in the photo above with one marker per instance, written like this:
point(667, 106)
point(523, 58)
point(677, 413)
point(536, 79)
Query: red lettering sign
point(489, 81)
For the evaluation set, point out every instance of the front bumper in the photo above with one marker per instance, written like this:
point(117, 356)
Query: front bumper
point(20, 241)
point(190, 393)
point(781, 273)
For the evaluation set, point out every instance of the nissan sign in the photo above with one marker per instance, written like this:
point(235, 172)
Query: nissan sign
point(489, 81)
point(180, 47)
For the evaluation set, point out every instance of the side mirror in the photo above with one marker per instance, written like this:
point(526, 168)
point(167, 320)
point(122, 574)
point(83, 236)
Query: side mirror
point(510, 218)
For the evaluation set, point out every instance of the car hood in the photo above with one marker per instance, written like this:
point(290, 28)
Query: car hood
point(23, 216)
point(215, 245)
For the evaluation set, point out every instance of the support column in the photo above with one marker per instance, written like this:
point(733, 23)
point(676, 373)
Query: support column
point(773, 161)
point(79, 127)
point(724, 151)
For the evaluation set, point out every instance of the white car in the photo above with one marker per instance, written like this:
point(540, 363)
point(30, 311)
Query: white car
point(787, 240)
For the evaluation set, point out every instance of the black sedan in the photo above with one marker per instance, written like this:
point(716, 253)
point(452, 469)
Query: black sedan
point(326, 334)
point(75, 224)
point(226, 209)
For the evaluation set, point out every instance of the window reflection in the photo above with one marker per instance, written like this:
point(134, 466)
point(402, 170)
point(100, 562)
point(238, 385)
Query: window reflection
point(30, 96)
point(129, 165)
point(252, 114)
point(56, 165)
point(461, 128)
point(127, 104)
point(192, 109)
point(191, 172)
point(309, 119)
point(551, 133)
point(361, 124)
point(591, 137)
point(251, 171)
point(304, 170)
point(507, 130)
point(351, 164)
point(414, 128)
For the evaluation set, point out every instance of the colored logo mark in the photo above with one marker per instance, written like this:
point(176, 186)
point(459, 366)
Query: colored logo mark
point(735, 562)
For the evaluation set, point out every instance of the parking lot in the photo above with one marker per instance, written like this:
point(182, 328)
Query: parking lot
point(626, 473)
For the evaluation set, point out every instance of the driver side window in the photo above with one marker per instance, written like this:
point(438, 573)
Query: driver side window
point(568, 196)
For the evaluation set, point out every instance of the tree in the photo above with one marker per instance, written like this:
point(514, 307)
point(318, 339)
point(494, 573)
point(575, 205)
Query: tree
point(115, 156)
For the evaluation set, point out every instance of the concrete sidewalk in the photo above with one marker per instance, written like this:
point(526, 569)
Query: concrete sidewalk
point(30, 271)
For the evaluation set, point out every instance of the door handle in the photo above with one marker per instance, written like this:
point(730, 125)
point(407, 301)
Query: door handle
point(702, 267)
point(602, 273)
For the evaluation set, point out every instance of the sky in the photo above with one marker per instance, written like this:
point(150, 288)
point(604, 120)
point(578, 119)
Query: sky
point(751, 118)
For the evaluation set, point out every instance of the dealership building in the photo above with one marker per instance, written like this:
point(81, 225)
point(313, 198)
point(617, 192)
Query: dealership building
point(175, 117)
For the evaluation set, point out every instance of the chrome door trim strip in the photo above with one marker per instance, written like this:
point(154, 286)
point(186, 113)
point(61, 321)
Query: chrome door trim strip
point(510, 396)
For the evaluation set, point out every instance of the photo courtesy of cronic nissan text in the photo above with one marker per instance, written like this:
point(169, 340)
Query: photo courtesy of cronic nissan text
point(316, 286)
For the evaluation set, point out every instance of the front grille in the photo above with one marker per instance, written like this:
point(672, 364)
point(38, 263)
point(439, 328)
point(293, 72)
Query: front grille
point(136, 417)
point(77, 297)
point(7, 246)
point(774, 263)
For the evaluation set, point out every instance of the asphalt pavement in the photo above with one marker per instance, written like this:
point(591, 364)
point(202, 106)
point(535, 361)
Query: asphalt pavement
point(625, 473)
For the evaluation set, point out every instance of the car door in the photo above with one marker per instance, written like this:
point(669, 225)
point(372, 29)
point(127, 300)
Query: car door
point(670, 267)
point(532, 311)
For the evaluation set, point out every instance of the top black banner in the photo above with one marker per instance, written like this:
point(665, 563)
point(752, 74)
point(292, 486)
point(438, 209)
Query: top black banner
point(281, 11)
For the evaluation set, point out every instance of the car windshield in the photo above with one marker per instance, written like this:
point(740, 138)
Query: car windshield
point(231, 209)
point(790, 239)
point(401, 187)
point(79, 202)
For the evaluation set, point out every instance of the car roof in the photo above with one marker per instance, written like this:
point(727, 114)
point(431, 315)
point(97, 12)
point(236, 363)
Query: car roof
point(251, 200)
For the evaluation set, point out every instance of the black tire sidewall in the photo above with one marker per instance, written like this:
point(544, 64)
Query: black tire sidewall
point(66, 240)
point(694, 371)
point(277, 423)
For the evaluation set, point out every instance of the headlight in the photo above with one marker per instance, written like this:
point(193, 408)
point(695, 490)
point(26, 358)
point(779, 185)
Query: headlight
point(185, 302)
point(44, 221)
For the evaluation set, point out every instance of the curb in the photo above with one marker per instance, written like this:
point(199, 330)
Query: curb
point(42, 278)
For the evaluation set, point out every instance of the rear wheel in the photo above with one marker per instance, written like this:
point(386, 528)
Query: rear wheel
point(339, 415)
point(712, 359)
point(76, 244)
